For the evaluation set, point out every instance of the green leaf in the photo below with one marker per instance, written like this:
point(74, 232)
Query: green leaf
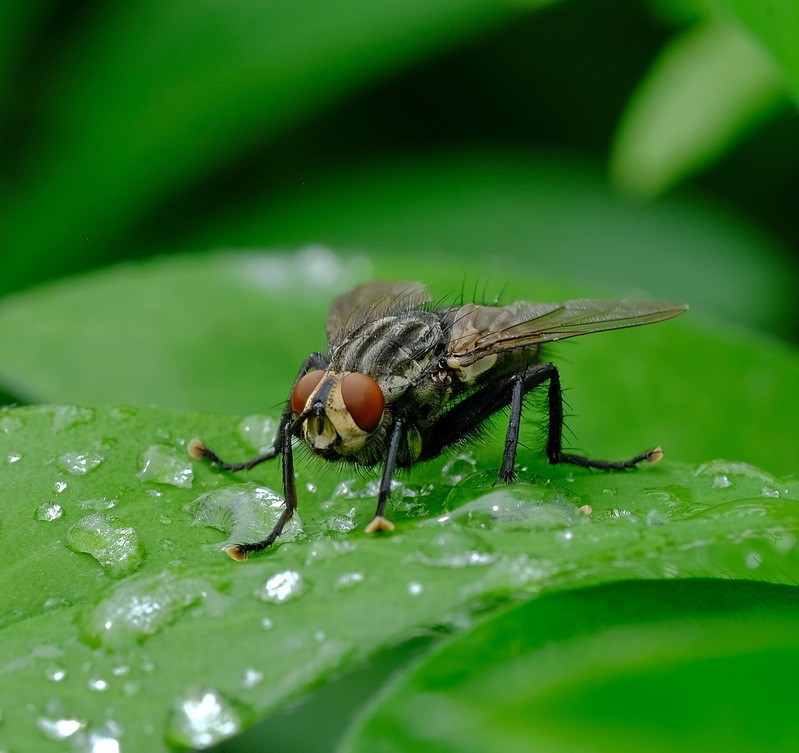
point(227, 333)
point(666, 667)
point(709, 87)
point(123, 620)
point(150, 94)
point(776, 25)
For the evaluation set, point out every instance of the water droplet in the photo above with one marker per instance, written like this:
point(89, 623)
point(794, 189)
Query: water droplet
point(55, 672)
point(59, 729)
point(721, 482)
point(348, 580)
point(415, 588)
point(455, 548)
point(106, 538)
point(282, 587)
point(48, 511)
point(78, 463)
point(310, 487)
point(99, 504)
point(98, 740)
point(98, 685)
point(69, 416)
point(252, 677)
point(267, 623)
point(769, 492)
point(258, 431)
point(357, 489)
point(15, 457)
point(457, 468)
point(201, 719)
point(9, 424)
point(244, 512)
point(339, 523)
point(163, 464)
point(59, 486)
point(719, 468)
point(139, 608)
point(519, 507)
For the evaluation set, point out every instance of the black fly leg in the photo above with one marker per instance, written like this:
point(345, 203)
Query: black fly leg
point(379, 523)
point(199, 451)
point(466, 416)
point(240, 551)
point(507, 472)
point(555, 452)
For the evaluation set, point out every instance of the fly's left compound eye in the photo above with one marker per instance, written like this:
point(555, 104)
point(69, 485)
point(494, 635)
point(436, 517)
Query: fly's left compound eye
point(303, 389)
point(363, 399)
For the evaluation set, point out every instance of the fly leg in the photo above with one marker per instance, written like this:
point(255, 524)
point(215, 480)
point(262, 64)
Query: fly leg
point(465, 418)
point(240, 551)
point(379, 523)
point(198, 450)
point(555, 452)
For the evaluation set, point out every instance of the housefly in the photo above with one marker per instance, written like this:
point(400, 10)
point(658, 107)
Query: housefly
point(403, 380)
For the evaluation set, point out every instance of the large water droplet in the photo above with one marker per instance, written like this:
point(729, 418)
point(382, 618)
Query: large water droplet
point(139, 607)
point(78, 463)
point(201, 719)
point(282, 587)
point(725, 469)
point(166, 465)
point(454, 547)
point(48, 511)
point(113, 544)
point(244, 512)
point(258, 431)
point(519, 507)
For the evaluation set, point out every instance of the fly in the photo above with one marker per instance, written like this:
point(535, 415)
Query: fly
point(401, 381)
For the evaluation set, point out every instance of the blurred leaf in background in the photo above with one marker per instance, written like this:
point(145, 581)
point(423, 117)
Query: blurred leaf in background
point(142, 128)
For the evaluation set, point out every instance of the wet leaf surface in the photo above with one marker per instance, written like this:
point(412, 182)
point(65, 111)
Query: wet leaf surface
point(169, 643)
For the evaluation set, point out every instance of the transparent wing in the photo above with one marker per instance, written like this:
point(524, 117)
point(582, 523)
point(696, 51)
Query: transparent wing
point(478, 331)
point(371, 301)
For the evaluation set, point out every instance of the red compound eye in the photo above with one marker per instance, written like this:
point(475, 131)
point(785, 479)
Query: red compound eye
point(364, 400)
point(303, 389)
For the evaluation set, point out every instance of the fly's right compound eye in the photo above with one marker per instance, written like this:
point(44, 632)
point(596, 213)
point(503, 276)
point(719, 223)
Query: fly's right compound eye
point(304, 389)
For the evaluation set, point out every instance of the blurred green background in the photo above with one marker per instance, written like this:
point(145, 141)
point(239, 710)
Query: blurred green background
point(631, 148)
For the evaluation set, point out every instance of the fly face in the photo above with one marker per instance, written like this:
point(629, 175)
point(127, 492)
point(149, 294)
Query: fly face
point(338, 412)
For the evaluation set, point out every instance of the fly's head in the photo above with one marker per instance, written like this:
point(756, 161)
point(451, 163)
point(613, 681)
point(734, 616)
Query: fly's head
point(338, 411)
